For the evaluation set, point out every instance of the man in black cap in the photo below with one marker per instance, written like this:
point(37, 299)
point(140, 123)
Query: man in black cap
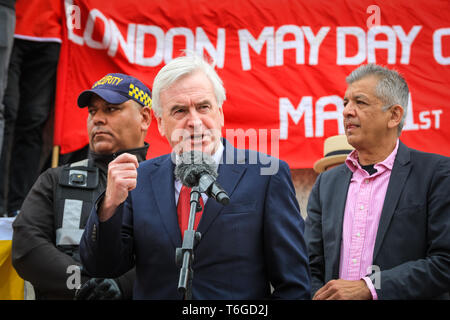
point(48, 229)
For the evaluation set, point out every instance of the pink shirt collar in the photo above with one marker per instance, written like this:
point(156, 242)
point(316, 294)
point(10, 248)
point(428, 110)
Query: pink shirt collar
point(353, 164)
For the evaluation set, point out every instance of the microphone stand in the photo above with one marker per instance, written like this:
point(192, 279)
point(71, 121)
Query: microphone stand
point(184, 256)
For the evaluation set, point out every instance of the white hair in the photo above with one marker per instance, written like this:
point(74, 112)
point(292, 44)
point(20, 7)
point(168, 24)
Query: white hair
point(391, 87)
point(181, 67)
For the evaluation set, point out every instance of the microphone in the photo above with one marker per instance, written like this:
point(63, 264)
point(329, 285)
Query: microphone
point(195, 168)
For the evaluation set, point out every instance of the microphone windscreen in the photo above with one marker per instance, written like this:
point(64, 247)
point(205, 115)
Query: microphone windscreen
point(191, 165)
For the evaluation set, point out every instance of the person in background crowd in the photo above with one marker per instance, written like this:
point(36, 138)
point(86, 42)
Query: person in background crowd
point(48, 229)
point(378, 226)
point(29, 97)
point(7, 24)
point(335, 151)
point(252, 243)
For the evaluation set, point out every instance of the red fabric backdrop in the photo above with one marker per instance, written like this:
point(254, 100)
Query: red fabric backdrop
point(283, 63)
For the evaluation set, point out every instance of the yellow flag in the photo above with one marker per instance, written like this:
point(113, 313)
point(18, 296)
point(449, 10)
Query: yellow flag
point(11, 285)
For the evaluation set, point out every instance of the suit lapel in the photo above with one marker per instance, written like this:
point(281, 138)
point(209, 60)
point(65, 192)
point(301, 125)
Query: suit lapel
point(228, 178)
point(334, 222)
point(162, 180)
point(400, 172)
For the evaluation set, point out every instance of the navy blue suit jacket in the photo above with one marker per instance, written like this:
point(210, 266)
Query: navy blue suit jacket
point(255, 241)
point(412, 246)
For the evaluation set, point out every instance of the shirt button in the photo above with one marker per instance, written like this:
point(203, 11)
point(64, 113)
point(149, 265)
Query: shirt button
point(362, 207)
point(367, 181)
point(358, 234)
point(354, 260)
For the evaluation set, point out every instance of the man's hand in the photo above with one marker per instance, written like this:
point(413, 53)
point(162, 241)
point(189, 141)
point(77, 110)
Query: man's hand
point(122, 178)
point(99, 289)
point(344, 290)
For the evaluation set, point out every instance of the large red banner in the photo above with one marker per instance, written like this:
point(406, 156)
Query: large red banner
point(283, 63)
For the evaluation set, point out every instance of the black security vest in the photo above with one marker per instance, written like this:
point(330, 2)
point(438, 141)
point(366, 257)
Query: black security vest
point(77, 189)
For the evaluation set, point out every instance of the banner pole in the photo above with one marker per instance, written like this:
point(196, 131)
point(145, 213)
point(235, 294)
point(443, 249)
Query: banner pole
point(55, 156)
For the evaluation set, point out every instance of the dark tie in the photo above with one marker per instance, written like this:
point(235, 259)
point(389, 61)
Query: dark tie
point(183, 209)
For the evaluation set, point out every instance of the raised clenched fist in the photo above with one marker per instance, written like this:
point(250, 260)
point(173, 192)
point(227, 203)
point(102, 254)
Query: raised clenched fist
point(122, 177)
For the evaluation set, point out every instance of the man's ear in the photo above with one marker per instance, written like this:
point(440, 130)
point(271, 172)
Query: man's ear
point(222, 117)
point(146, 118)
point(160, 124)
point(396, 115)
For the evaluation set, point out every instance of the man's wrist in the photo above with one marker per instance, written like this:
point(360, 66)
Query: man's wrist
point(371, 287)
point(105, 210)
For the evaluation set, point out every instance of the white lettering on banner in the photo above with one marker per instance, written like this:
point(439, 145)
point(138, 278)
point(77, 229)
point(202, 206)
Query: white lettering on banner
point(322, 115)
point(246, 39)
point(389, 44)
point(315, 42)
point(89, 30)
point(406, 40)
point(136, 36)
point(168, 41)
point(305, 110)
point(157, 57)
point(134, 44)
point(305, 107)
point(276, 45)
point(127, 45)
point(425, 118)
point(409, 121)
point(437, 46)
point(297, 44)
point(367, 44)
point(203, 44)
point(437, 114)
point(341, 36)
point(164, 44)
point(426, 121)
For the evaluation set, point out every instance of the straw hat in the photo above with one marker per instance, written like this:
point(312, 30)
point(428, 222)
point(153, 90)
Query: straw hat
point(335, 151)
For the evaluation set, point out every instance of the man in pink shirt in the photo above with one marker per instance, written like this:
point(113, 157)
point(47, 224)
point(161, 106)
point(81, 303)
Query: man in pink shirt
point(378, 225)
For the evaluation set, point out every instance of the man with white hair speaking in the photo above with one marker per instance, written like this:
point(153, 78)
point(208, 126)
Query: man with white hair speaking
point(247, 246)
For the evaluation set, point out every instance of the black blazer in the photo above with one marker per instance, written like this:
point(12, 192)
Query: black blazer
point(412, 247)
